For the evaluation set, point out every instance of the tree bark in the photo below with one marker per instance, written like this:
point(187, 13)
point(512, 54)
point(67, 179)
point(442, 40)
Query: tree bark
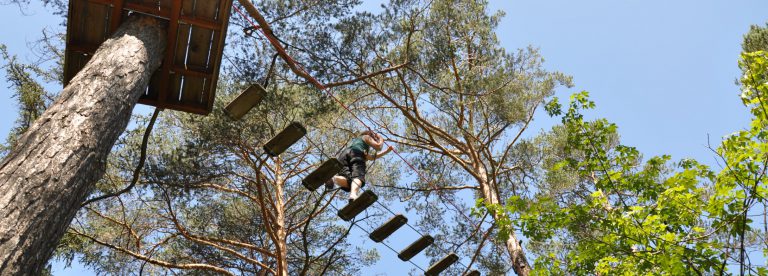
point(56, 163)
point(517, 255)
point(281, 244)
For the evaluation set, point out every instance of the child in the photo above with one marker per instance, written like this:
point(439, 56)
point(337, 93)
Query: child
point(353, 158)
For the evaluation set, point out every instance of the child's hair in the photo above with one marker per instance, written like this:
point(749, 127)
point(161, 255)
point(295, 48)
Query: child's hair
point(366, 132)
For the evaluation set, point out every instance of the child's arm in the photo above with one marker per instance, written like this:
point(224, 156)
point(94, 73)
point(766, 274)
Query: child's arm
point(373, 140)
point(379, 154)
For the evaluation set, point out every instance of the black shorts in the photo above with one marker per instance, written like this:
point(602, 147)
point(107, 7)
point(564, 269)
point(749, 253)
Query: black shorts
point(353, 162)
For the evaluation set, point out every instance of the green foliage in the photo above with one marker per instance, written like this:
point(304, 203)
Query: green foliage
point(618, 215)
point(756, 39)
point(621, 215)
point(31, 98)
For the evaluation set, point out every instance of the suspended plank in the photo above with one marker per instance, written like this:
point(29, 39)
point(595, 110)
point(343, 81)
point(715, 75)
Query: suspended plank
point(248, 99)
point(416, 247)
point(441, 265)
point(283, 140)
point(322, 174)
point(358, 205)
point(388, 228)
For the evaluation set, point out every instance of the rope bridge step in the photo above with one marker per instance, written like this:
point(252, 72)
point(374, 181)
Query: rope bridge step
point(388, 228)
point(441, 265)
point(416, 247)
point(285, 139)
point(322, 174)
point(358, 205)
point(244, 102)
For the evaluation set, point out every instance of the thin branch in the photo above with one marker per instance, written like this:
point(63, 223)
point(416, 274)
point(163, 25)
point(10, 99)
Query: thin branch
point(137, 171)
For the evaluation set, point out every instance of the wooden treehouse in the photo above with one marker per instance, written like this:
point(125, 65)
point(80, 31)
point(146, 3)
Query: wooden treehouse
point(186, 80)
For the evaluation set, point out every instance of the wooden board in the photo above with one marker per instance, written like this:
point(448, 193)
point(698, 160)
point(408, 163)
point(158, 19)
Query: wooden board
point(187, 78)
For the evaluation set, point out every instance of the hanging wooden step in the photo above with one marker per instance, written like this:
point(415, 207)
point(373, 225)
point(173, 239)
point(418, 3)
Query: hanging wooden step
point(416, 247)
point(358, 205)
point(473, 273)
point(244, 102)
point(388, 228)
point(322, 174)
point(441, 265)
point(285, 139)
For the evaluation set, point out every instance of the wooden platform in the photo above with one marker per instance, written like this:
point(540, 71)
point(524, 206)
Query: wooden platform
point(187, 78)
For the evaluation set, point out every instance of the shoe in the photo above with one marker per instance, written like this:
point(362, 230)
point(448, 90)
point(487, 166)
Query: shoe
point(329, 184)
point(350, 201)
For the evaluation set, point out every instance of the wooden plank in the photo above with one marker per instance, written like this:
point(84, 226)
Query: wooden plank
point(198, 51)
point(207, 9)
point(193, 90)
point(75, 22)
point(168, 63)
point(150, 8)
point(199, 48)
point(95, 23)
point(197, 109)
point(441, 265)
point(117, 15)
point(167, 5)
point(283, 140)
point(200, 39)
point(182, 39)
point(357, 206)
point(83, 48)
point(187, 8)
point(317, 178)
point(103, 2)
point(204, 23)
point(173, 91)
point(416, 247)
point(217, 49)
point(193, 73)
point(146, 3)
point(72, 13)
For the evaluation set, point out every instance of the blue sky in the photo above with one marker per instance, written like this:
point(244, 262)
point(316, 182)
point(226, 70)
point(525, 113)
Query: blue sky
point(664, 71)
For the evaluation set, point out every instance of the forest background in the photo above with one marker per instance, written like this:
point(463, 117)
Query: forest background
point(663, 72)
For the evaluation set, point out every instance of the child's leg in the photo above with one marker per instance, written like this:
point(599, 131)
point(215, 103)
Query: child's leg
point(354, 191)
point(340, 181)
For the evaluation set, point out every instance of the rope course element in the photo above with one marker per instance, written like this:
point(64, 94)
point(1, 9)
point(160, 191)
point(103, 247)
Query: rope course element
point(294, 64)
point(323, 88)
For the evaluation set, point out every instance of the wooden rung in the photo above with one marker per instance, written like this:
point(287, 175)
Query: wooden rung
point(416, 247)
point(322, 174)
point(388, 228)
point(473, 273)
point(358, 205)
point(283, 140)
point(249, 98)
point(441, 265)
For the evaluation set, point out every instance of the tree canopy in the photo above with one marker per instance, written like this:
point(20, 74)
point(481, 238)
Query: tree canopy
point(189, 194)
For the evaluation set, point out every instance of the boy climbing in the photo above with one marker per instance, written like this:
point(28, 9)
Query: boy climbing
point(353, 159)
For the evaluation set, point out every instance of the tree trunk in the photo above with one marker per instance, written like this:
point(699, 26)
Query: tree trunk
point(281, 231)
point(518, 260)
point(56, 163)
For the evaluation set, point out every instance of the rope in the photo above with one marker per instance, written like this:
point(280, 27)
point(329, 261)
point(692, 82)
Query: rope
point(354, 222)
point(324, 89)
point(139, 166)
